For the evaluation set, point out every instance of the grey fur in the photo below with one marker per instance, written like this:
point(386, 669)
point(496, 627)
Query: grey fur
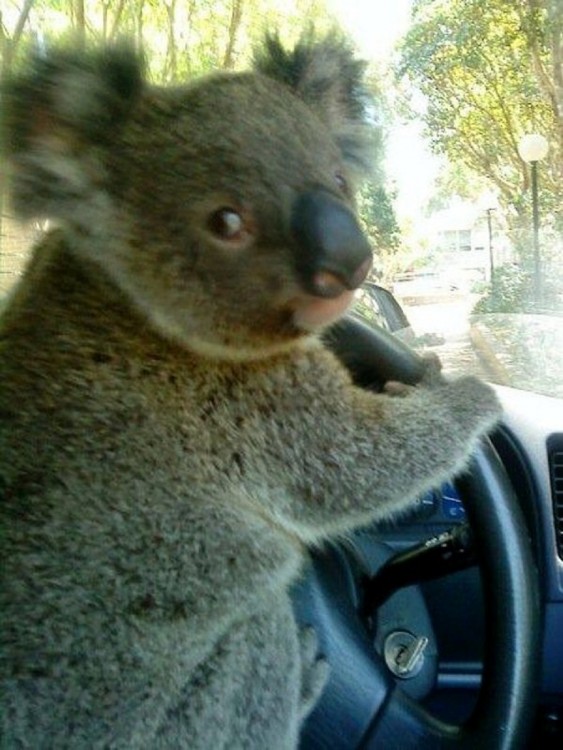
point(171, 442)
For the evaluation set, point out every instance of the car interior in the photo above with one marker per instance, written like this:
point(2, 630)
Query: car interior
point(443, 628)
point(459, 644)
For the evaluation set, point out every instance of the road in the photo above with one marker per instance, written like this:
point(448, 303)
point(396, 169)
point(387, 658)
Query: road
point(448, 321)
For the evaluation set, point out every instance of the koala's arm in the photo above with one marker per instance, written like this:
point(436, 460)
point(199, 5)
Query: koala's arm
point(367, 456)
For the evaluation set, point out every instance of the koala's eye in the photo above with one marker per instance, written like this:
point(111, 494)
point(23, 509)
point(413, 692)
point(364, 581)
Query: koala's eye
point(227, 224)
point(342, 183)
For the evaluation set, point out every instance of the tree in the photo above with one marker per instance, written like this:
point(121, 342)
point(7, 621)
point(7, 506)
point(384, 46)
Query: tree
point(10, 41)
point(490, 71)
point(377, 213)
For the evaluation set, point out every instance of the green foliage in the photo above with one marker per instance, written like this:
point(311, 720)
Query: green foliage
point(487, 70)
point(376, 210)
point(455, 179)
point(513, 292)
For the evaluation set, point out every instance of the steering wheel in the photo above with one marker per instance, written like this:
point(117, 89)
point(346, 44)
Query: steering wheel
point(362, 708)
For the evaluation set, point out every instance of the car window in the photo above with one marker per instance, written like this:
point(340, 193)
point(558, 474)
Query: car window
point(465, 206)
point(368, 308)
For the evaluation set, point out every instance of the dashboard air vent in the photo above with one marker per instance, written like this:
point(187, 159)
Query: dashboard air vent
point(555, 453)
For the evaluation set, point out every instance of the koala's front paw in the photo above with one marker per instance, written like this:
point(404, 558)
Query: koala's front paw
point(432, 376)
point(314, 671)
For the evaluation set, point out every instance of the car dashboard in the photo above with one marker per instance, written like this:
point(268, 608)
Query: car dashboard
point(444, 617)
point(530, 444)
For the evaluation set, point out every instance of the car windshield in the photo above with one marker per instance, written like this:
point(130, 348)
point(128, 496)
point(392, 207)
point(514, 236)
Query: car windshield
point(465, 206)
point(520, 350)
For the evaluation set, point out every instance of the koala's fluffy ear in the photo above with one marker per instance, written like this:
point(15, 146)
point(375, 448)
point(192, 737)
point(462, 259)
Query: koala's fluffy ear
point(58, 115)
point(326, 74)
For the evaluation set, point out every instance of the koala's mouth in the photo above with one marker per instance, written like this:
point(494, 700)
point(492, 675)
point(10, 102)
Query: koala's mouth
point(311, 313)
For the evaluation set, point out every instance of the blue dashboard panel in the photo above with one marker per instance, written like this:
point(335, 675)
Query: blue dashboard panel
point(442, 506)
point(451, 507)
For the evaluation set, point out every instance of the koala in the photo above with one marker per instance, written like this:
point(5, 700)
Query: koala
point(175, 434)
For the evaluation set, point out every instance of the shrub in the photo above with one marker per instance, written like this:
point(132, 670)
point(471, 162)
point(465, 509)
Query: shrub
point(513, 292)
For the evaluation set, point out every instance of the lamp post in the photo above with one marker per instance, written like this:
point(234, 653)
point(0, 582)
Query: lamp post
point(533, 148)
point(489, 203)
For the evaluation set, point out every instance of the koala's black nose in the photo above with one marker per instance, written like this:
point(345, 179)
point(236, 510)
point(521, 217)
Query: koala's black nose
point(333, 254)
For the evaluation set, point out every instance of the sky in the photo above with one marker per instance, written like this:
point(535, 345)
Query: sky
point(376, 26)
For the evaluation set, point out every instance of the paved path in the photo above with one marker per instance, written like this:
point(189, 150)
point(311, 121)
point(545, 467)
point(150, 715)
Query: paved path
point(448, 321)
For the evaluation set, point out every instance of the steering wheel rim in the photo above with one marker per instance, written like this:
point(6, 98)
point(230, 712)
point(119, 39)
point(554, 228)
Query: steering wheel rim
point(505, 709)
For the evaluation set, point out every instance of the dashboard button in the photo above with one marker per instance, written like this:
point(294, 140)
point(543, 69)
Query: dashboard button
point(452, 507)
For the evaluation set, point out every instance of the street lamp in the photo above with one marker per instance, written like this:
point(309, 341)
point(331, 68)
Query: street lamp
point(532, 148)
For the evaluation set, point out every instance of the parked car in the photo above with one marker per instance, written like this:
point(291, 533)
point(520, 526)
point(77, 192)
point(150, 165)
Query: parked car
point(377, 306)
point(425, 287)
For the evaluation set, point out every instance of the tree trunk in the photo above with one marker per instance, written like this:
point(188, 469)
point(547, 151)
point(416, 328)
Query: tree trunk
point(117, 19)
point(79, 18)
point(8, 49)
point(555, 10)
point(139, 23)
point(171, 68)
point(236, 18)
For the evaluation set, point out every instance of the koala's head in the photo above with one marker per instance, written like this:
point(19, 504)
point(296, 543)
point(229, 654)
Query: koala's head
point(223, 208)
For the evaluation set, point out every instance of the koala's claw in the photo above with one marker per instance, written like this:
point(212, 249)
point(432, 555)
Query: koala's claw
point(432, 369)
point(314, 671)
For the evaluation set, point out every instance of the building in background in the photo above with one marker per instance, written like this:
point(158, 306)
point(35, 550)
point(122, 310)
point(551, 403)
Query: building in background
point(467, 241)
